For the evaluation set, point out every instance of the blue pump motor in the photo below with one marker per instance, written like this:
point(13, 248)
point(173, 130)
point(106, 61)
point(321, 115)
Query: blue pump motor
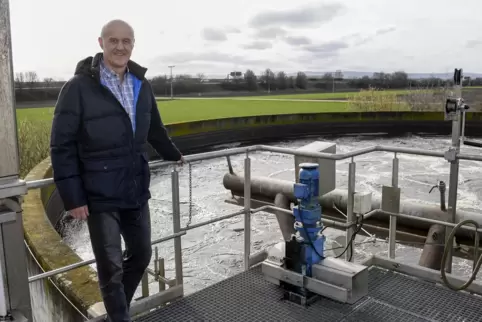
point(307, 215)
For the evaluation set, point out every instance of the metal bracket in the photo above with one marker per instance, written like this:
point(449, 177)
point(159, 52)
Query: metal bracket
point(451, 154)
point(332, 278)
point(12, 188)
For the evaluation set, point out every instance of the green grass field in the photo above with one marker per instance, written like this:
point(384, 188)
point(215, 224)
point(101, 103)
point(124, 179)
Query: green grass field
point(177, 111)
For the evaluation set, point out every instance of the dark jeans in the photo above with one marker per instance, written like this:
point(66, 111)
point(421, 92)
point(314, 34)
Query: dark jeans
point(120, 274)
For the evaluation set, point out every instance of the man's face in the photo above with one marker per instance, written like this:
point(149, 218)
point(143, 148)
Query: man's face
point(117, 43)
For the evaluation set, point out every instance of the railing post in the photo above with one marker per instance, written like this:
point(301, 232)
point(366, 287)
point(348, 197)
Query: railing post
point(392, 232)
point(145, 284)
point(247, 209)
point(176, 225)
point(350, 216)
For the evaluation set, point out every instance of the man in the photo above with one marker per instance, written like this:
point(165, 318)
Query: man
point(104, 118)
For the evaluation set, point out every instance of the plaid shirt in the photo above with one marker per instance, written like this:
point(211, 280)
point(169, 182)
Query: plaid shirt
point(124, 92)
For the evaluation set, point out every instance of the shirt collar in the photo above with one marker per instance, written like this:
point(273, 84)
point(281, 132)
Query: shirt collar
point(108, 72)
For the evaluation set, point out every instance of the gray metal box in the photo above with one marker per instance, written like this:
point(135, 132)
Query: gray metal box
point(327, 167)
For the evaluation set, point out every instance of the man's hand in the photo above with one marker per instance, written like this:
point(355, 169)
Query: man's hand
point(80, 213)
point(181, 161)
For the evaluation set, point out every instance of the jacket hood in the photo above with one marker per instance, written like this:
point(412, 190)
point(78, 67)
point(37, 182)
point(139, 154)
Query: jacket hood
point(90, 66)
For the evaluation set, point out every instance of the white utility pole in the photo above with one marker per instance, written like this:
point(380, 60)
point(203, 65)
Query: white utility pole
point(171, 67)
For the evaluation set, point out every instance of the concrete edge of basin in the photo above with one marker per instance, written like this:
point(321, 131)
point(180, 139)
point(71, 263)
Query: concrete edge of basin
point(80, 285)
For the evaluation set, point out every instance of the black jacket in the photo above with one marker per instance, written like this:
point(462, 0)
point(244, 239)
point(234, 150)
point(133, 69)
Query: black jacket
point(97, 160)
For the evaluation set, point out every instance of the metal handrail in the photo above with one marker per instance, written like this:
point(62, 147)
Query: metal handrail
point(247, 211)
point(153, 165)
point(92, 261)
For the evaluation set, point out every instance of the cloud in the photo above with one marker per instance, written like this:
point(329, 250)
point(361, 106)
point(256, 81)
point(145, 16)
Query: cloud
point(473, 43)
point(309, 16)
point(270, 33)
point(383, 31)
point(218, 34)
point(297, 40)
point(211, 57)
point(361, 40)
point(213, 34)
point(327, 49)
point(258, 45)
point(232, 30)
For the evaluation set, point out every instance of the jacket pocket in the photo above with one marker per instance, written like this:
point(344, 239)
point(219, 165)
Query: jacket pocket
point(105, 179)
point(144, 178)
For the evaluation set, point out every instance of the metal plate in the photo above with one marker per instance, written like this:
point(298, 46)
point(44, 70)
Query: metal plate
point(392, 297)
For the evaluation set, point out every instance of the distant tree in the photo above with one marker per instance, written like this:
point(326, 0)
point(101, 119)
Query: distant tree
point(301, 80)
point(291, 82)
point(268, 80)
point(399, 79)
point(251, 80)
point(19, 80)
point(200, 77)
point(281, 81)
point(31, 78)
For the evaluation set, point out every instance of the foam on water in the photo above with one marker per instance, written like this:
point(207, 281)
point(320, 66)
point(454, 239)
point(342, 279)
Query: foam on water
point(214, 252)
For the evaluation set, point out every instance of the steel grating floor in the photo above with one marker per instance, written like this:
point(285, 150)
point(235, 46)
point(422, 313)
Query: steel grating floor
point(392, 297)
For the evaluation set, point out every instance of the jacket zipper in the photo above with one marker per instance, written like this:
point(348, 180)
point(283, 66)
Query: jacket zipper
point(130, 127)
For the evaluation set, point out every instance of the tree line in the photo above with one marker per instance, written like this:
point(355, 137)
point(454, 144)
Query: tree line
point(30, 88)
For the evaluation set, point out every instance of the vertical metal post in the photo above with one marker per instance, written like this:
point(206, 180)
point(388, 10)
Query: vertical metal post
point(162, 273)
point(176, 225)
point(247, 209)
point(454, 175)
point(350, 216)
point(392, 232)
point(145, 285)
point(9, 161)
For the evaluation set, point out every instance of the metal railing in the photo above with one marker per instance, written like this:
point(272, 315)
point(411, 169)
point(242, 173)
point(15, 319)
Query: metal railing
point(247, 211)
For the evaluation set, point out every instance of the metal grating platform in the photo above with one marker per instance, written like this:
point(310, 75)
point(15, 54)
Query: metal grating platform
point(392, 297)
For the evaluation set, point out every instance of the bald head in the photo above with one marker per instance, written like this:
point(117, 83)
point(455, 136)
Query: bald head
point(115, 25)
point(117, 42)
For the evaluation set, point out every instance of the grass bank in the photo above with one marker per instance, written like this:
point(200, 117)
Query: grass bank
point(34, 124)
point(177, 111)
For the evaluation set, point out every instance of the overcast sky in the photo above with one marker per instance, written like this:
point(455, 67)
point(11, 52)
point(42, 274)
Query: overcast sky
point(218, 36)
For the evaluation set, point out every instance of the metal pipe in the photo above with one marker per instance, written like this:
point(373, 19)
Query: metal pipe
point(392, 232)
point(350, 216)
point(384, 148)
point(153, 165)
point(210, 221)
point(285, 220)
point(91, 261)
point(319, 155)
point(247, 210)
point(328, 222)
point(469, 157)
point(431, 221)
point(176, 225)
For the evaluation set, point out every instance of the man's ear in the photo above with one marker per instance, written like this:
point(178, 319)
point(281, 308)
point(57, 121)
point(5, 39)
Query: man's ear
point(101, 42)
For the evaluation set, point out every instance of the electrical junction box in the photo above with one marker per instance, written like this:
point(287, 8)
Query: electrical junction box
point(327, 168)
point(362, 202)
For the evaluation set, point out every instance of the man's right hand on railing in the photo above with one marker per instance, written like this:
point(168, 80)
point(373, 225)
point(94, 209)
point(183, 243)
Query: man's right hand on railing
point(80, 213)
